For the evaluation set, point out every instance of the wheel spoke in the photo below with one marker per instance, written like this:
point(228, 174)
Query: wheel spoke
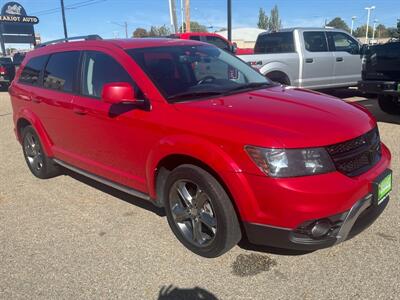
point(29, 151)
point(184, 194)
point(197, 234)
point(200, 199)
point(180, 214)
point(37, 161)
point(208, 220)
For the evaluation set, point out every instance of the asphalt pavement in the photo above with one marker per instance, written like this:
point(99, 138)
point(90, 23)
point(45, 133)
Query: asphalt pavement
point(71, 238)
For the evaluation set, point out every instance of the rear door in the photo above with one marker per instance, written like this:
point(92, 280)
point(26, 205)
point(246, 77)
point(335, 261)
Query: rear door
point(318, 67)
point(52, 101)
point(347, 63)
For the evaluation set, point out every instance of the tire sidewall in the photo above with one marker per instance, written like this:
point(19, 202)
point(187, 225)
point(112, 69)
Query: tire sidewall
point(218, 198)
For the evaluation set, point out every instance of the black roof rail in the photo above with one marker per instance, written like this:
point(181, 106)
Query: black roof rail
point(73, 38)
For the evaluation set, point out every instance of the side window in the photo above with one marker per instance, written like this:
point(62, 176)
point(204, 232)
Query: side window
point(99, 69)
point(216, 41)
point(60, 72)
point(31, 72)
point(275, 42)
point(315, 41)
point(195, 37)
point(339, 41)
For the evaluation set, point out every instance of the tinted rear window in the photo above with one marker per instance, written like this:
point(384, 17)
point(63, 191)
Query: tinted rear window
point(277, 42)
point(61, 71)
point(31, 72)
point(5, 60)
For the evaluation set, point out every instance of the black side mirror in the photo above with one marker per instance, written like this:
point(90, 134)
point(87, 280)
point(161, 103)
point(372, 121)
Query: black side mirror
point(234, 48)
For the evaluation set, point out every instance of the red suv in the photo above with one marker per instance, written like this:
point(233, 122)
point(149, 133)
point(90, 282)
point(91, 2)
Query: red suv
point(194, 129)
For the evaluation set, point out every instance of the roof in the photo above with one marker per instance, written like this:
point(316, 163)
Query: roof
point(245, 34)
point(121, 43)
point(305, 28)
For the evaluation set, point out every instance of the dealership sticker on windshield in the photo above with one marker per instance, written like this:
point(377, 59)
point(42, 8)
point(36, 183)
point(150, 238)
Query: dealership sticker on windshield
point(384, 188)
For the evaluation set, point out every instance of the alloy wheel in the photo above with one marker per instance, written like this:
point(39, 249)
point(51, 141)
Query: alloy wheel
point(193, 213)
point(33, 151)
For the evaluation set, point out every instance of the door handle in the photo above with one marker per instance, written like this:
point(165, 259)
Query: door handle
point(80, 111)
point(309, 60)
point(25, 98)
point(339, 59)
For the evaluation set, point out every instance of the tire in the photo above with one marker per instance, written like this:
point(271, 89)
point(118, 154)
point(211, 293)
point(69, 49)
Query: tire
point(211, 212)
point(389, 104)
point(39, 164)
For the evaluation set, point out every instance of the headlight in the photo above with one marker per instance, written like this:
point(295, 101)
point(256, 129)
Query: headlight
point(291, 162)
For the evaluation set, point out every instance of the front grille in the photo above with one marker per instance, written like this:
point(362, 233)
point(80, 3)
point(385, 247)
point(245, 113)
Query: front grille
point(358, 155)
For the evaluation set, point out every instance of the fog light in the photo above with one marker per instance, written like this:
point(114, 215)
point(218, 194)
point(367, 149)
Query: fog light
point(320, 228)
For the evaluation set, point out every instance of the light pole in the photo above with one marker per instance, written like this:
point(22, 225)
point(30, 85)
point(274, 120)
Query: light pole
point(229, 13)
point(353, 18)
point(368, 16)
point(124, 25)
point(373, 29)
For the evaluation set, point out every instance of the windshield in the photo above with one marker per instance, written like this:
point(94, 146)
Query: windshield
point(188, 72)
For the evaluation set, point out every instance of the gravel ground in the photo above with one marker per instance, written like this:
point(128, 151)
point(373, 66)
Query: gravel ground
point(70, 238)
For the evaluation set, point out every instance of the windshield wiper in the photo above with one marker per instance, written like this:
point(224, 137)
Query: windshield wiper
point(192, 95)
point(251, 85)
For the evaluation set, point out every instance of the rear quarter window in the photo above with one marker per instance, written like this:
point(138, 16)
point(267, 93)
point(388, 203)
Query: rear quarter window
point(61, 71)
point(31, 72)
point(276, 42)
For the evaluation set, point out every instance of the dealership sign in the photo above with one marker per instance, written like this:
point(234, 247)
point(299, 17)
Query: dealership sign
point(14, 13)
point(16, 26)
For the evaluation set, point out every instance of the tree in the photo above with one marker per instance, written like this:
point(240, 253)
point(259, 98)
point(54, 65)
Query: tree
point(274, 23)
point(195, 27)
point(338, 23)
point(360, 31)
point(381, 31)
point(262, 19)
point(140, 32)
point(159, 31)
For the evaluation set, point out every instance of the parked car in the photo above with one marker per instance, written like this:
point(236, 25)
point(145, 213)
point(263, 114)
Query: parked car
point(381, 75)
point(193, 129)
point(315, 58)
point(18, 58)
point(214, 39)
point(7, 71)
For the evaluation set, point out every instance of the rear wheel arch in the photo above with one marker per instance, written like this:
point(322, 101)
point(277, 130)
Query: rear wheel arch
point(278, 76)
point(27, 118)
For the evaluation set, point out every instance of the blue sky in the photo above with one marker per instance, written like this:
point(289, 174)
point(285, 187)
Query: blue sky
point(97, 16)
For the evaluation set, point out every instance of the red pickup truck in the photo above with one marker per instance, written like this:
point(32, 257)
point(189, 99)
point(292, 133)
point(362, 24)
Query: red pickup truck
point(214, 39)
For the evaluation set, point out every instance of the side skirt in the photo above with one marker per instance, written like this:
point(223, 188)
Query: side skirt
point(107, 182)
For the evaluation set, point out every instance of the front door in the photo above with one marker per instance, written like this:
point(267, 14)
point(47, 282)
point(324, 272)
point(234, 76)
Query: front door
point(347, 66)
point(317, 61)
point(108, 137)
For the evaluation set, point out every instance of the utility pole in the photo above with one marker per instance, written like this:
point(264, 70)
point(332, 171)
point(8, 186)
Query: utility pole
point(353, 18)
point(63, 17)
point(229, 15)
point(187, 13)
point(123, 25)
point(368, 16)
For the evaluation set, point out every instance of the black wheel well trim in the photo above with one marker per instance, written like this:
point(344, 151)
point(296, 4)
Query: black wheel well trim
point(168, 163)
point(21, 124)
point(279, 74)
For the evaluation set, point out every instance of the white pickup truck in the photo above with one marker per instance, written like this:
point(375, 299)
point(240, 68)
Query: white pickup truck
point(315, 58)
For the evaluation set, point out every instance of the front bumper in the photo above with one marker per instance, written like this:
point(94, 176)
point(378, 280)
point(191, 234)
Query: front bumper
point(343, 226)
point(379, 87)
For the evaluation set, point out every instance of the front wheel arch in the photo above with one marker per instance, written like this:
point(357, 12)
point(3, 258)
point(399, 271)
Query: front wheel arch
point(278, 76)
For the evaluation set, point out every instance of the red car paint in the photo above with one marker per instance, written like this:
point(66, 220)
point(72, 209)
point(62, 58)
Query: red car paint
point(129, 148)
point(202, 36)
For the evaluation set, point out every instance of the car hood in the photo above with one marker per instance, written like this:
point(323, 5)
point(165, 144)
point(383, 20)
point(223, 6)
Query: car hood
point(279, 117)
